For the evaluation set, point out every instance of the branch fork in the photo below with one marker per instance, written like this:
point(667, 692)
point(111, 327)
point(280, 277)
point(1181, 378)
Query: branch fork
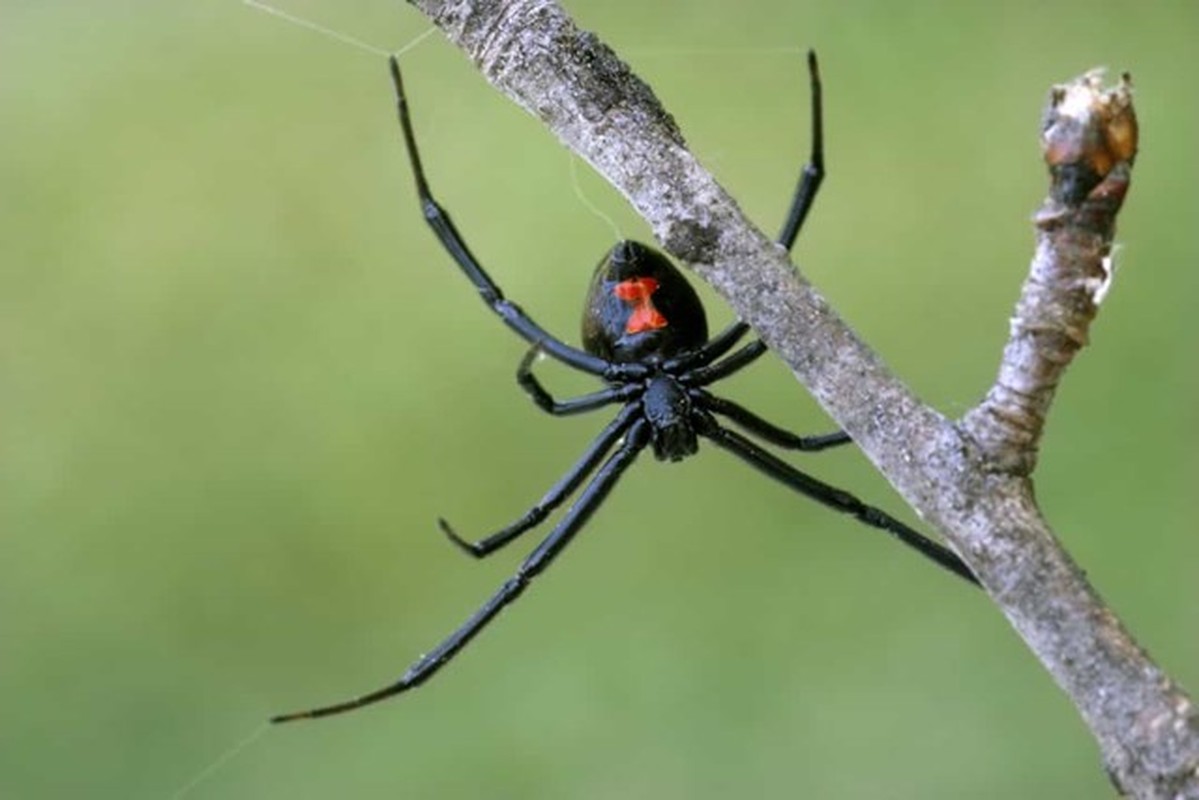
point(971, 478)
point(1089, 142)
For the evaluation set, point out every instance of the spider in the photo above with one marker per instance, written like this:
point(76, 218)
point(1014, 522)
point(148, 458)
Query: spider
point(646, 336)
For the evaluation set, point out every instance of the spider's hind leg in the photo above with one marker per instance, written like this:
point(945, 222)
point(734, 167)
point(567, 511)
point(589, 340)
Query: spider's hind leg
point(810, 178)
point(451, 240)
point(573, 405)
point(812, 174)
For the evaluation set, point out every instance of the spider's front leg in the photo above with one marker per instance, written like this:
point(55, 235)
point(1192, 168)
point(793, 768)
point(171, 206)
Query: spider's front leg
point(830, 496)
point(577, 474)
point(561, 490)
point(780, 437)
point(429, 664)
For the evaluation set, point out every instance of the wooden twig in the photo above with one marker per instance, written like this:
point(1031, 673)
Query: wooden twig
point(971, 478)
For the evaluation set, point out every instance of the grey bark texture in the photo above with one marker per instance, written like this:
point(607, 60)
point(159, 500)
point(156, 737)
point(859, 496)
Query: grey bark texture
point(971, 477)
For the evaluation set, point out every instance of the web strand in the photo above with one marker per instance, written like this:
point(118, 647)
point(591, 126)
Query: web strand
point(344, 38)
point(220, 761)
point(587, 204)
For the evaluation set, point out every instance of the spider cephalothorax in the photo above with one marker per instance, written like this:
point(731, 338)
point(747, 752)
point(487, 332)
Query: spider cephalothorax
point(641, 310)
point(645, 335)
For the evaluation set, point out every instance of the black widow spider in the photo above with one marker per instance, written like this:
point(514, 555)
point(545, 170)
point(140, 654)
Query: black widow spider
point(646, 336)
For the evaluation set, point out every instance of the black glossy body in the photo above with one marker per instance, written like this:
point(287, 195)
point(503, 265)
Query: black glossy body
point(645, 335)
point(606, 316)
point(668, 408)
point(679, 326)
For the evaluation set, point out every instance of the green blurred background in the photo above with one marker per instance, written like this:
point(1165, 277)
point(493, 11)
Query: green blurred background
point(239, 382)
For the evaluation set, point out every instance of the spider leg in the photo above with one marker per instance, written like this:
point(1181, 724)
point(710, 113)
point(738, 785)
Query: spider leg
point(557, 493)
point(813, 172)
point(427, 665)
point(574, 405)
point(810, 178)
point(452, 241)
point(752, 423)
point(722, 369)
point(713, 349)
point(831, 496)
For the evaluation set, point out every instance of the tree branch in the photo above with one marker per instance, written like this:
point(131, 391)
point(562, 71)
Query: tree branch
point(970, 478)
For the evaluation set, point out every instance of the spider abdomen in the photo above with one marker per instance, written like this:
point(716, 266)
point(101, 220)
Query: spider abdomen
point(641, 308)
point(668, 409)
point(645, 334)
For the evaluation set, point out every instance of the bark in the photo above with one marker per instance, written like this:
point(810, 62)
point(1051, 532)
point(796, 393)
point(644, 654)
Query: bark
point(971, 477)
